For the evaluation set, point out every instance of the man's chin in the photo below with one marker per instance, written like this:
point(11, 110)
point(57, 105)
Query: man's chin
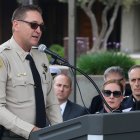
point(137, 93)
point(137, 96)
point(34, 43)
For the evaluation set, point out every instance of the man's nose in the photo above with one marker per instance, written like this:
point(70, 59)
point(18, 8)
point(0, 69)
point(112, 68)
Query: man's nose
point(61, 88)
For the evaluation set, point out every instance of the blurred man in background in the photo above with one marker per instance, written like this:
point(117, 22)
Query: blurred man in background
point(63, 88)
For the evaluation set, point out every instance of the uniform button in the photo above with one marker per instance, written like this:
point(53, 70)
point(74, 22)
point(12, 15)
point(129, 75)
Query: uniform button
point(18, 75)
point(24, 74)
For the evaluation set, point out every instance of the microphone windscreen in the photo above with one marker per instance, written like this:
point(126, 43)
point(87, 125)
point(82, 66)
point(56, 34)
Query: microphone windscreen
point(42, 47)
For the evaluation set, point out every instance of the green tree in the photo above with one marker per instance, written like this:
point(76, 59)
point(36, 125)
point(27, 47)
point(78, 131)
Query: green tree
point(100, 38)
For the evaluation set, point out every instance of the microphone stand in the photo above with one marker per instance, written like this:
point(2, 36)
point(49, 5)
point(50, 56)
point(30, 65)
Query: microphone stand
point(65, 63)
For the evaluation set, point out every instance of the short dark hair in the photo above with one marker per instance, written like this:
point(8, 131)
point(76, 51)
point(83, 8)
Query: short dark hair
point(68, 77)
point(114, 69)
point(20, 12)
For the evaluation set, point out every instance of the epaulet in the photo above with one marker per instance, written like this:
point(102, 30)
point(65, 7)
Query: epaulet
point(4, 46)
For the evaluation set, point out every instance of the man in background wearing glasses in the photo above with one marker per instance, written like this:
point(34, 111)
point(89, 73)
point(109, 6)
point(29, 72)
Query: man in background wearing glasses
point(18, 84)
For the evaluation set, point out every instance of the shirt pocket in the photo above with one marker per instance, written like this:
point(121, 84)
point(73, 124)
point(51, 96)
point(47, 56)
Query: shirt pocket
point(23, 88)
point(45, 83)
point(22, 81)
point(45, 77)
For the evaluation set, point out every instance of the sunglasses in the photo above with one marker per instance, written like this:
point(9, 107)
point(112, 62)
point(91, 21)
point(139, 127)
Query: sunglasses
point(116, 94)
point(34, 25)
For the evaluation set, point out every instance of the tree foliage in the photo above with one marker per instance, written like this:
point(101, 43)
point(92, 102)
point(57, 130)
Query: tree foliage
point(100, 37)
point(97, 63)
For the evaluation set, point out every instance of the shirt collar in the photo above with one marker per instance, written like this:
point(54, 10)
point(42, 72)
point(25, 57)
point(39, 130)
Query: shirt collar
point(62, 107)
point(22, 54)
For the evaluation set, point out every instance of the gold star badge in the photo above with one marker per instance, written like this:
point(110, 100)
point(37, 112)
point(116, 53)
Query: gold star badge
point(45, 67)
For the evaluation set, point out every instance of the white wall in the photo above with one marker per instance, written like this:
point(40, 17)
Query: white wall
point(130, 30)
point(88, 91)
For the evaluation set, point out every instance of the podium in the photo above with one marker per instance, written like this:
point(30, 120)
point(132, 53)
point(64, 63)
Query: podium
point(107, 126)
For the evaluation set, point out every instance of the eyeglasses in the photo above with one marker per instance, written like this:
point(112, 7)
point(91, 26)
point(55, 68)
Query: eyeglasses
point(116, 94)
point(34, 25)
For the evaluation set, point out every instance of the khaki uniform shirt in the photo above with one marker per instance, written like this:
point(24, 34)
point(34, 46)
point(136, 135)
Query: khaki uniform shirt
point(17, 99)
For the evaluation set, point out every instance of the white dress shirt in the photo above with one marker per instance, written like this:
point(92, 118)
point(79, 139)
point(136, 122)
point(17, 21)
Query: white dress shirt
point(62, 107)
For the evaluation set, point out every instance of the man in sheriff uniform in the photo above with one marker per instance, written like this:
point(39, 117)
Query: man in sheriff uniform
point(17, 85)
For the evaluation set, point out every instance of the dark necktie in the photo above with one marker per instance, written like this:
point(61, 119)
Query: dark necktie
point(39, 98)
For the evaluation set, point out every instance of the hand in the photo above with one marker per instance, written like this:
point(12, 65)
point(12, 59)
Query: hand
point(35, 129)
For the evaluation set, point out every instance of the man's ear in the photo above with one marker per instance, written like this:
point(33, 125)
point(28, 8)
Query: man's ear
point(15, 24)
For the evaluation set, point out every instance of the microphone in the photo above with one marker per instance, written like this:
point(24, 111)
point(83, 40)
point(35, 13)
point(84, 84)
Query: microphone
point(43, 48)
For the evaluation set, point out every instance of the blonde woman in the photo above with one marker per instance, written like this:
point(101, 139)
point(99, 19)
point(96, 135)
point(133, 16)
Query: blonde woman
point(113, 94)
